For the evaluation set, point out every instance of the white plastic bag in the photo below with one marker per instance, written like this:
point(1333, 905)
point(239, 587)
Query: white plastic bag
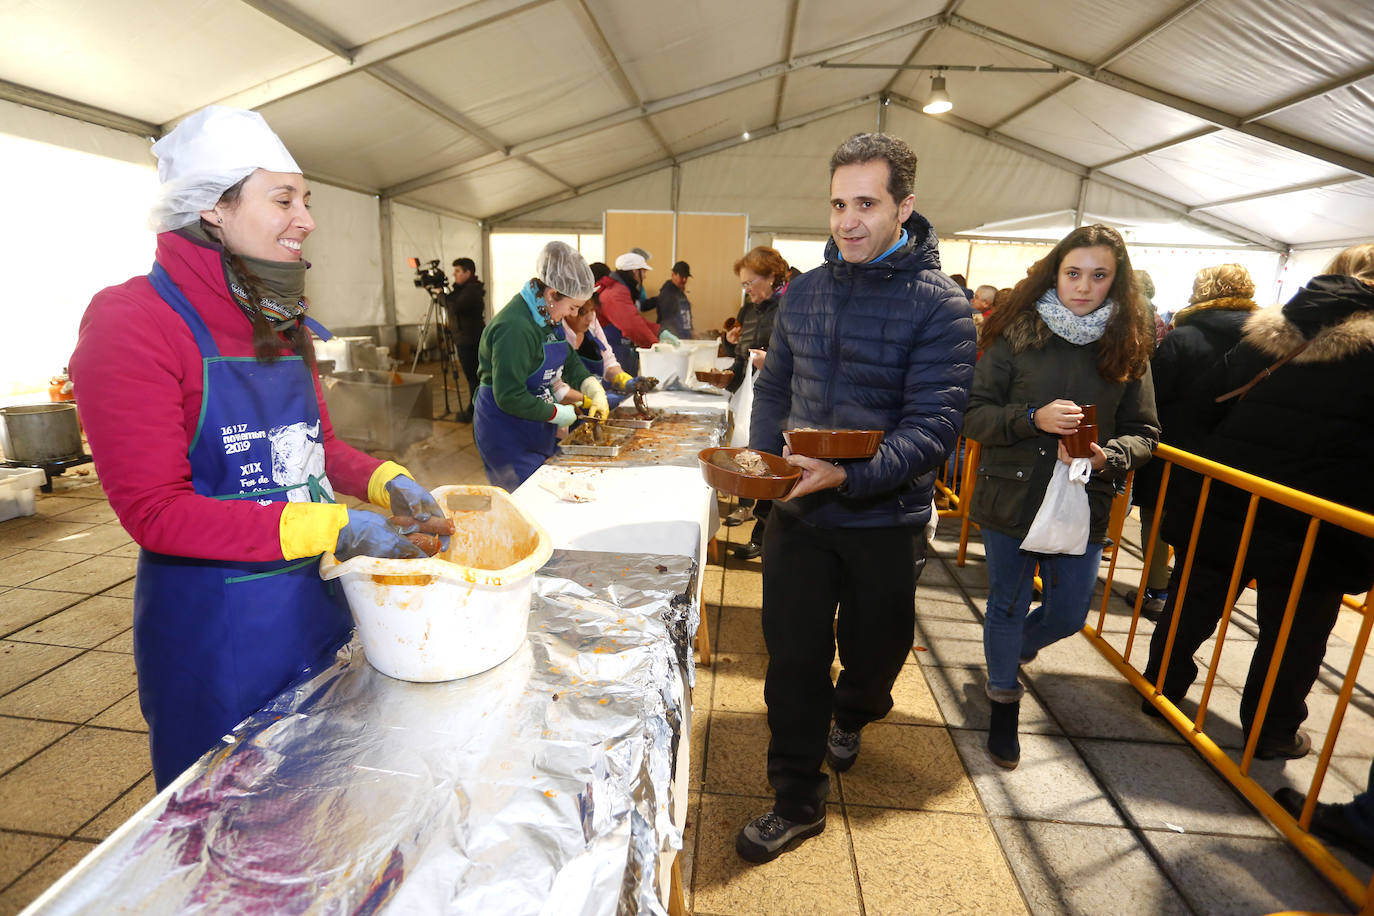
point(742, 406)
point(1061, 525)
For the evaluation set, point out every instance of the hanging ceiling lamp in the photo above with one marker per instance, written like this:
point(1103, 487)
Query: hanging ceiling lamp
point(939, 102)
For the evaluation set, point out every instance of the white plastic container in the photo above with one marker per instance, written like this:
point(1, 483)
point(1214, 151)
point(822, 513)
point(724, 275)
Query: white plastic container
point(18, 488)
point(666, 362)
point(461, 612)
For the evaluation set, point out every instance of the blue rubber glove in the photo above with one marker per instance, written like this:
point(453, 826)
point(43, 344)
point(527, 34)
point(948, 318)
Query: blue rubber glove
point(409, 498)
point(668, 337)
point(368, 534)
point(563, 415)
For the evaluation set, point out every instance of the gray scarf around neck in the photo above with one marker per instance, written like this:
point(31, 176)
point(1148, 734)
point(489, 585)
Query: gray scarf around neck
point(1076, 329)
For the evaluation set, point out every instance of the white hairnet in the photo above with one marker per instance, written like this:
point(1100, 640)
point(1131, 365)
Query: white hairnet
point(207, 154)
point(561, 267)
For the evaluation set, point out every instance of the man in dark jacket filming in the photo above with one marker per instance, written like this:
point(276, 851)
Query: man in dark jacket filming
point(467, 308)
point(876, 338)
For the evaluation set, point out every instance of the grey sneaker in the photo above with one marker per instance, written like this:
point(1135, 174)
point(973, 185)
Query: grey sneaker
point(738, 517)
point(766, 837)
point(841, 749)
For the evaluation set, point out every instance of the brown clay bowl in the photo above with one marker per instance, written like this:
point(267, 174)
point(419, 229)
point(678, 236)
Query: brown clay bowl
point(833, 443)
point(716, 468)
point(718, 377)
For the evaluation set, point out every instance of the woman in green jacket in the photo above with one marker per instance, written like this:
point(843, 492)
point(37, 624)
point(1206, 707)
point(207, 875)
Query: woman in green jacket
point(516, 420)
point(1075, 332)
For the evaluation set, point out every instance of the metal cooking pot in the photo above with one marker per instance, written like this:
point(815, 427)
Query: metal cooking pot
point(40, 433)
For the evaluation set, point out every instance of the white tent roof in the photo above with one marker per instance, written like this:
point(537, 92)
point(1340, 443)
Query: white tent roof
point(1252, 119)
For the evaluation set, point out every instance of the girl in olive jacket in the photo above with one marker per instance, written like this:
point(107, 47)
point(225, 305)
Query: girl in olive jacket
point(1075, 332)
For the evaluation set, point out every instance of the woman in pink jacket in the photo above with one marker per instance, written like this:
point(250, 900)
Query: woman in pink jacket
point(198, 392)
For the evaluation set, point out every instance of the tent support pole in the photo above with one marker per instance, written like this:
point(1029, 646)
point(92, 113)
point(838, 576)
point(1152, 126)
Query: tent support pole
point(388, 272)
point(1082, 199)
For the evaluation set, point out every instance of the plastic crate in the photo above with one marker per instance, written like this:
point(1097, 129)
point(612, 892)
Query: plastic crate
point(18, 487)
point(379, 410)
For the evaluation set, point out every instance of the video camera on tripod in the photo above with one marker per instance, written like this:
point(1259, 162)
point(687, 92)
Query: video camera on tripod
point(432, 279)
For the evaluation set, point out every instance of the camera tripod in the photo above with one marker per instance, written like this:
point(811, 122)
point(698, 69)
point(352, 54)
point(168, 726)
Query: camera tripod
point(437, 317)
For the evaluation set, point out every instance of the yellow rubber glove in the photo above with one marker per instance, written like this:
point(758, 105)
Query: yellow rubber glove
point(622, 381)
point(376, 484)
point(598, 409)
point(309, 529)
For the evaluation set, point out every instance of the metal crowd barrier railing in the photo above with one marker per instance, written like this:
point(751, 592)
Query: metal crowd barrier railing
point(1319, 511)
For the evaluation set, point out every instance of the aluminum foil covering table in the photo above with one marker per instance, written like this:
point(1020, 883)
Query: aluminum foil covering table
point(541, 786)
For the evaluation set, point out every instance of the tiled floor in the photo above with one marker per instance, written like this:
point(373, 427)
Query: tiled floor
point(1109, 811)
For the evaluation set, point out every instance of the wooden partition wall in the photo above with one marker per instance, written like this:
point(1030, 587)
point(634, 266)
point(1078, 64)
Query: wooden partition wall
point(651, 230)
point(710, 243)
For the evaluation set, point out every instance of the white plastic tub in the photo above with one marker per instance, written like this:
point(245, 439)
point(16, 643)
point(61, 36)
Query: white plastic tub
point(18, 487)
point(666, 362)
point(461, 612)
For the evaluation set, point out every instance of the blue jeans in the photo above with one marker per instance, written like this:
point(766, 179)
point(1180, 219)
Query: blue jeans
point(1009, 633)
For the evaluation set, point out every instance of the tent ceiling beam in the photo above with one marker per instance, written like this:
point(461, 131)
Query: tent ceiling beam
point(436, 106)
point(1156, 147)
point(1276, 192)
point(667, 104)
point(592, 31)
point(1112, 56)
point(950, 8)
point(786, 55)
point(1158, 96)
point(69, 108)
point(412, 38)
point(1039, 99)
point(303, 26)
point(717, 147)
point(1082, 171)
point(1131, 44)
point(971, 68)
point(1308, 95)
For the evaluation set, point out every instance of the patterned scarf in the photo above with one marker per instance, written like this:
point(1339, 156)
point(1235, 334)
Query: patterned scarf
point(284, 282)
point(1075, 329)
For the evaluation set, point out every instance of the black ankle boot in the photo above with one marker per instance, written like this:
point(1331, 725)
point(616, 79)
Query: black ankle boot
point(1003, 744)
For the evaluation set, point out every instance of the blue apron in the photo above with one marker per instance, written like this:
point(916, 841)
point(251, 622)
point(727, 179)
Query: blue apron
point(513, 448)
point(215, 640)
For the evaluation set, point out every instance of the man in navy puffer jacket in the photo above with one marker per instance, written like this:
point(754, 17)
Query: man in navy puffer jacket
point(877, 338)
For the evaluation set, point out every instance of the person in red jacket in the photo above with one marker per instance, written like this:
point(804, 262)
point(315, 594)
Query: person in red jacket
point(209, 430)
point(619, 312)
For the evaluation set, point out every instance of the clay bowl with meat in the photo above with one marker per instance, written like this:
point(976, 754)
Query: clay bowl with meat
point(718, 377)
point(747, 473)
point(833, 444)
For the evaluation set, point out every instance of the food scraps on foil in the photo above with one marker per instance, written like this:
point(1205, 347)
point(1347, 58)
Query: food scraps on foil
point(541, 786)
point(674, 440)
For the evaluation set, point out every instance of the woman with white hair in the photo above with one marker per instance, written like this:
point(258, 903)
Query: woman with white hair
point(211, 437)
point(519, 359)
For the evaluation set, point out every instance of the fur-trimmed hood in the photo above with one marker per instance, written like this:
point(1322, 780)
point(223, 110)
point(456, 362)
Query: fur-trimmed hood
point(1334, 315)
point(1226, 303)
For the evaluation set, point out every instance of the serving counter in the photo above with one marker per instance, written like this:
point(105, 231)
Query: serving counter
point(552, 783)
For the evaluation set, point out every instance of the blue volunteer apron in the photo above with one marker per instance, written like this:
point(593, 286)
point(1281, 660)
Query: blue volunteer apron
point(513, 448)
point(215, 640)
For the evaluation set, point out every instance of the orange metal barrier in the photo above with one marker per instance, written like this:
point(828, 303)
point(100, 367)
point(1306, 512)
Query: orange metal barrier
point(1320, 512)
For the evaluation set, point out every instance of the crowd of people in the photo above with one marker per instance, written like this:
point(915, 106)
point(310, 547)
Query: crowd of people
point(208, 426)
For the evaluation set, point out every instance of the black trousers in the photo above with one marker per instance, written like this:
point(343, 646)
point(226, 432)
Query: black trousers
point(467, 358)
point(1313, 619)
point(870, 575)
